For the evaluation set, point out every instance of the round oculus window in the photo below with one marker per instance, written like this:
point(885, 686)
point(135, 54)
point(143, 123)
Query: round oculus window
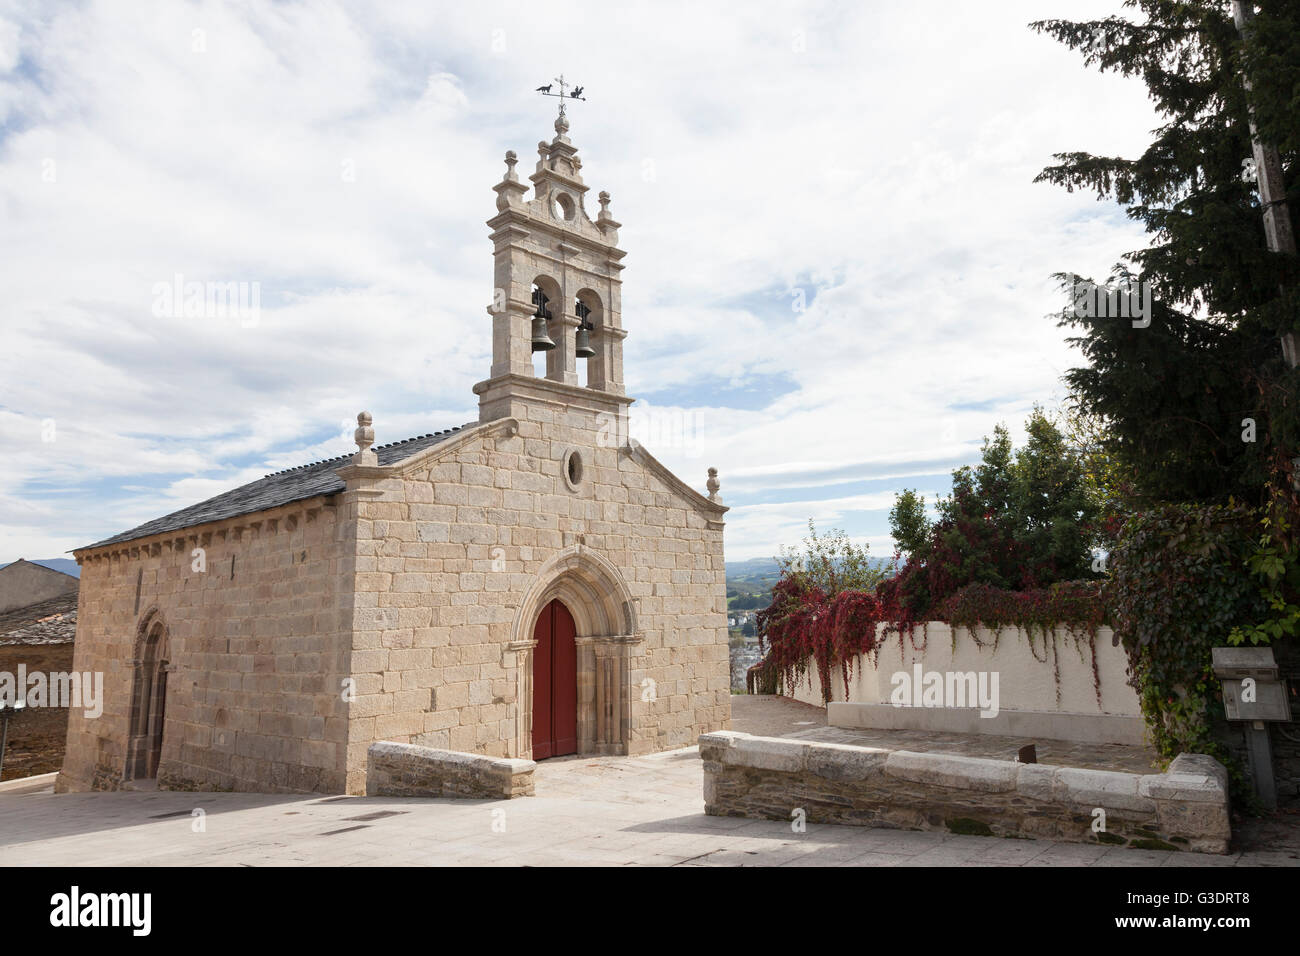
point(573, 470)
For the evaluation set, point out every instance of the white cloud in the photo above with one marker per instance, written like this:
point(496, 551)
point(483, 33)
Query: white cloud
point(877, 157)
point(10, 35)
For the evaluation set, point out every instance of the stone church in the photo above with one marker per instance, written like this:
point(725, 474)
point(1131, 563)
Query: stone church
point(531, 584)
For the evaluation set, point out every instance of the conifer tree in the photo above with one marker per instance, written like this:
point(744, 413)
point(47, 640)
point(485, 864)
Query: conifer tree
point(1176, 396)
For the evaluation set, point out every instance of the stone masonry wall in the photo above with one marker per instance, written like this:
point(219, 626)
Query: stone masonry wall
point(449, 552)
point(254, 697)
point(769, 778)
point(405, 770)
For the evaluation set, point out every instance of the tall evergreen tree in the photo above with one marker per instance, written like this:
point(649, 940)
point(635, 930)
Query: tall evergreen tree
point(1175, 396)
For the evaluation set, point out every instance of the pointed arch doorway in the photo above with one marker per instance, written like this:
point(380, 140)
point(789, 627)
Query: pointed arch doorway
point(148, 700)
point(555, 683)
point(592, 592)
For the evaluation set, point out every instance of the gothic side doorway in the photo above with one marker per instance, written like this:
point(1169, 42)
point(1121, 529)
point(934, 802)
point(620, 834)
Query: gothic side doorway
point(148, 701)
point(555, 683)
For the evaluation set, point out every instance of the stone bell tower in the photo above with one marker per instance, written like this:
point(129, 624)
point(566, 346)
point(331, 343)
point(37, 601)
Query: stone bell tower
point(553, 260)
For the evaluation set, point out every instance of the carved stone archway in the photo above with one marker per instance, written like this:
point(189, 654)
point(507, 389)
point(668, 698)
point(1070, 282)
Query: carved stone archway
point(149, 668)
point(604, 612)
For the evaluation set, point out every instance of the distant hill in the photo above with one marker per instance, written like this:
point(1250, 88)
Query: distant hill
point(66, 565)
point(754, 567)
point(768, 567)
point(749, 582)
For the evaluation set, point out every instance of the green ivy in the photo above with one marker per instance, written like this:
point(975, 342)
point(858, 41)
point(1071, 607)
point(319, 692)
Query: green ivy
point(1176, 591)
point(1275, 564)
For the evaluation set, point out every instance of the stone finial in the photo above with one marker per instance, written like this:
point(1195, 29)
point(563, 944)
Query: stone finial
point(713, 485)
point(365, 437)
point(510, 190)
point(561, 124)
point(605, 222)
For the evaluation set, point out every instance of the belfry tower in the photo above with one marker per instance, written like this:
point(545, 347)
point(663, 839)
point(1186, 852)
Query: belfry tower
point(555, 264)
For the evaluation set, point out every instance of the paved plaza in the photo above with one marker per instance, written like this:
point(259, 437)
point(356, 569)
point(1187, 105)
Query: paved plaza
point(610, 811)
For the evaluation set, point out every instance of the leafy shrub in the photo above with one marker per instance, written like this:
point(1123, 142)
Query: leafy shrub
point(1021, 520)
point(1178, 589)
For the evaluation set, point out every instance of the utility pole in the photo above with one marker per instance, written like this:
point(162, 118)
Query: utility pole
point(1280, 238)
point(1272, 191)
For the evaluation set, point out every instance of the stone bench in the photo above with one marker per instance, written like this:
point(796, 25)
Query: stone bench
point(407, 770)
point(769, 778)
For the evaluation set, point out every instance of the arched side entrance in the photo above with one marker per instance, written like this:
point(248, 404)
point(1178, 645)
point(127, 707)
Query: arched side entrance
point(594, 593)
point(148, 698)
point(555, 683)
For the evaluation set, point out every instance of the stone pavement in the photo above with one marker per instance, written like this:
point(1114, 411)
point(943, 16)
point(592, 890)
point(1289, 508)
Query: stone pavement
point(588, 811)
point(768, 716)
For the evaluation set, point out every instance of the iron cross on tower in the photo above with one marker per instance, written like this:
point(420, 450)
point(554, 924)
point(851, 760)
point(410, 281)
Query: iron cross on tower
point(563, 94)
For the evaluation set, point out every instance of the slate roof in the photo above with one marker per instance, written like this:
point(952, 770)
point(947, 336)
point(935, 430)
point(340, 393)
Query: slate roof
point(279, 488)
point(53, 621)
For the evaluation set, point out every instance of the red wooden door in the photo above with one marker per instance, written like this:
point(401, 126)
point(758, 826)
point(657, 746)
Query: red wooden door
point(555, 683)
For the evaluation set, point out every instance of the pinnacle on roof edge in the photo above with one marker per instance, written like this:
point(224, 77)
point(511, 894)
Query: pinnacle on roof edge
point(394, 444)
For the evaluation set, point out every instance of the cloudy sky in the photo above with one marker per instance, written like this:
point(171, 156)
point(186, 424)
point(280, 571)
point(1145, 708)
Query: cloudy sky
point(838, 274)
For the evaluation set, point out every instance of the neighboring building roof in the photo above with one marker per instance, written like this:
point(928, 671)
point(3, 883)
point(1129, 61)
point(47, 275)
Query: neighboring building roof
point(24, 583)
point(23, 562)
point(48, 622)
point(280, 488)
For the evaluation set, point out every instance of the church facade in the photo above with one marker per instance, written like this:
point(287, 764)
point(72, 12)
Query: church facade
point(531, 584)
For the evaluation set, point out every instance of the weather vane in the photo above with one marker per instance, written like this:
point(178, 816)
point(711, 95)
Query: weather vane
point(563, 95)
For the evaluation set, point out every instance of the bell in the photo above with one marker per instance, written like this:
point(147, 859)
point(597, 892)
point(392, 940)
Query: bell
point(582, 341)
point(542, 342)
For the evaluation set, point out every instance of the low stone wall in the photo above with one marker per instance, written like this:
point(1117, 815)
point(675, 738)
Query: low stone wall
point(406, 770)
point(769, 778)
